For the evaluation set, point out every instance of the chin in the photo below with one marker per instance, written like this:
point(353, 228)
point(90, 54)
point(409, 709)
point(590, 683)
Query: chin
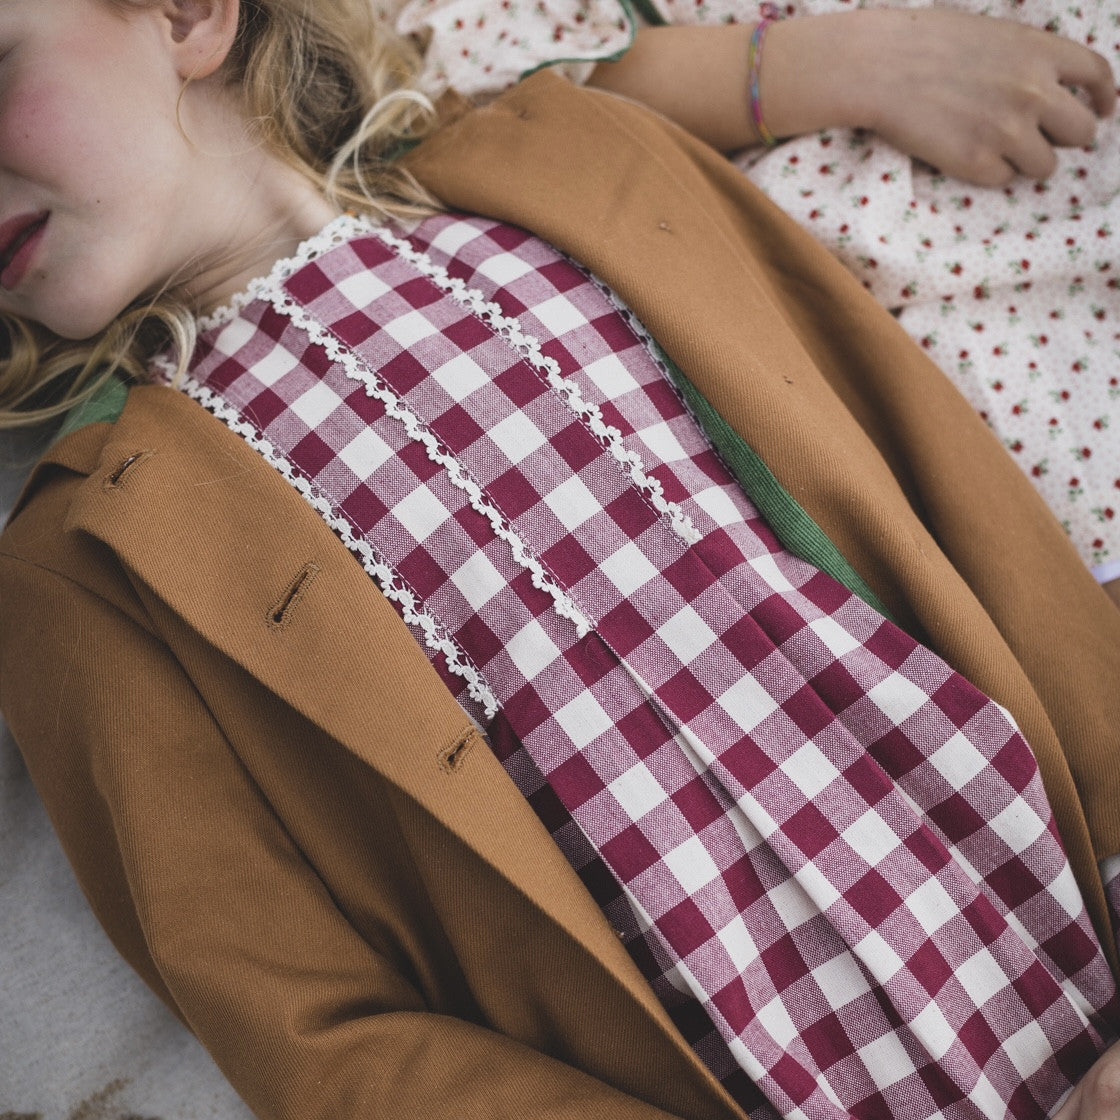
point(73, 332)
point(80, 324)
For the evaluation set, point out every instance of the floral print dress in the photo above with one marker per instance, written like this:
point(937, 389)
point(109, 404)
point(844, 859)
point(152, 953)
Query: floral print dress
point(1014, 292)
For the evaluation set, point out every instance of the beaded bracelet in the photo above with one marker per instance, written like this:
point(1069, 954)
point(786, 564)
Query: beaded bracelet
point(754, 67)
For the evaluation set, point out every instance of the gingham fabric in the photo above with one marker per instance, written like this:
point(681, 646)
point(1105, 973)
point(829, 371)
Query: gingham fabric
point(830, 854)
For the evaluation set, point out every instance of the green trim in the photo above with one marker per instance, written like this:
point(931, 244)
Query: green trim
point(796, 530)
point(648, 11)
point(104, 404)
point(400, 148)
point(627, 7)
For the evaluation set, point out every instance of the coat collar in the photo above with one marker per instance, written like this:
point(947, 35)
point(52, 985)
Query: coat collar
point(199, 520)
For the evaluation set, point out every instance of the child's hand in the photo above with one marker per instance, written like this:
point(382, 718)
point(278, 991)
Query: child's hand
point(976, 97)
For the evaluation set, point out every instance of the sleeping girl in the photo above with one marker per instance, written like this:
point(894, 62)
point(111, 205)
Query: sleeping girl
point(509, 629)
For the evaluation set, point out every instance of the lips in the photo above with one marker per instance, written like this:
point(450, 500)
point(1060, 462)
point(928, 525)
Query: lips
point(18, 239)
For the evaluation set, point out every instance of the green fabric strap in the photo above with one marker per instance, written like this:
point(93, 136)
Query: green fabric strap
point(648, 11)
point(105, 403)
point(796, 530)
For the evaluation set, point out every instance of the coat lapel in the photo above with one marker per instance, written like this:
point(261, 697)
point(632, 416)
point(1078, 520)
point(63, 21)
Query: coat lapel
point(206, 525)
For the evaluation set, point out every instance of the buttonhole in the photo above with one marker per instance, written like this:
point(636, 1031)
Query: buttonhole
point(451, 758)
point(280, 615)
point(117, 475)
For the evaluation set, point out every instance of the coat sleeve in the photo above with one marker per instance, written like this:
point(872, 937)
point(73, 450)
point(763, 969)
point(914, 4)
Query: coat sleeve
point(204, 892)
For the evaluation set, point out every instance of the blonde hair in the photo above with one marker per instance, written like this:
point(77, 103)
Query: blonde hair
point(328, 89)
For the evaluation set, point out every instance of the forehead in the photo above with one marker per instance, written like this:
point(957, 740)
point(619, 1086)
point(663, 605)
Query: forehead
point(14, 8)
point(35, 7)
point(47, 15)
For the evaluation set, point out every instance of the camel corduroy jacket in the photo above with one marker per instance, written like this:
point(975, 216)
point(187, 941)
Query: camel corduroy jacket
point(278, 811)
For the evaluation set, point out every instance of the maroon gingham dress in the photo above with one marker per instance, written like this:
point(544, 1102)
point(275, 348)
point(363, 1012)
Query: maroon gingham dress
point(829, 853)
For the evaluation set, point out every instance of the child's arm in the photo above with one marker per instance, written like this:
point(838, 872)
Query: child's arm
point(976, 97)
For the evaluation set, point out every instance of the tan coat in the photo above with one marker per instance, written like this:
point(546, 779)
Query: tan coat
point(276, 808)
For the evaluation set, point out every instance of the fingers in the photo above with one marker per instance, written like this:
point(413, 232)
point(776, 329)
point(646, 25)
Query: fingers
point(1046, 112)
point(1068, 122)
point(1076, 65)
point(1034, 156)
point(984, 168)
point(1064, 120)
point(1084, 68)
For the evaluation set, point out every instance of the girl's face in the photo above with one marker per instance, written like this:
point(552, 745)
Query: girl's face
point(116, 177)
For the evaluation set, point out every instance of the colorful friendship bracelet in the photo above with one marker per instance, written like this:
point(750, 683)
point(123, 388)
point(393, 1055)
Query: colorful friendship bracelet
point(754, 67)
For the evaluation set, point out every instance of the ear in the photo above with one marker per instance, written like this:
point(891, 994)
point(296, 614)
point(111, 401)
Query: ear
point(201, 33)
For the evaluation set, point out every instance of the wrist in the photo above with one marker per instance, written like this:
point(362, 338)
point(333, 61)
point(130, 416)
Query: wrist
point(814, 73)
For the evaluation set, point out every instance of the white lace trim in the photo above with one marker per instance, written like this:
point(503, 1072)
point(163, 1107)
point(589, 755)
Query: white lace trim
point(164, 364)
point(392, 585)
point(337, 232)
point(355, 369)
point(638, 328)
point(529, 348)
point(345, 228)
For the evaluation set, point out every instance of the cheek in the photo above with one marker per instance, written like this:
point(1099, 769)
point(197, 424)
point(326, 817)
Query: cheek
point(36, 130)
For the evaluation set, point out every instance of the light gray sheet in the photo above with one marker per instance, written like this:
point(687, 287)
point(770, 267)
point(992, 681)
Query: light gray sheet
point(81, 1038)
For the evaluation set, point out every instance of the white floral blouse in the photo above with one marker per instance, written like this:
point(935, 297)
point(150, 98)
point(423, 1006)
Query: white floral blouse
point(1014, 292)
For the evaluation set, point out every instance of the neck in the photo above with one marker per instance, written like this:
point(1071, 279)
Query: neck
point(250, 208)
point(269, 228)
